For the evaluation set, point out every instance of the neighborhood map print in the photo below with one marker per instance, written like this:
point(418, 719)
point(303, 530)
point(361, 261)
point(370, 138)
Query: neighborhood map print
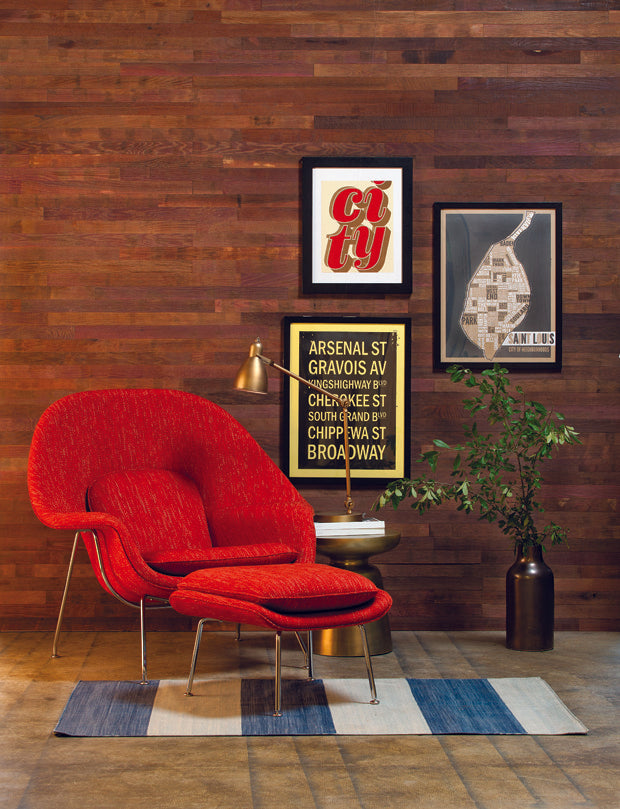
point(498, 283)
point(498, 295)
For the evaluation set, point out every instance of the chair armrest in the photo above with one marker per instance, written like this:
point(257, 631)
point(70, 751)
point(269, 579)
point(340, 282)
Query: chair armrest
point(80, 520)
point(102, 522)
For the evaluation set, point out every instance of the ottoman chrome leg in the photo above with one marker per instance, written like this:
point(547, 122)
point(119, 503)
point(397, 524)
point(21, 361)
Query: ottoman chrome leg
point(278, 682)
point(144, 680)
point(192, 669)
point(303, 648)
point(371, 677)
point(310, 664)
point(307, 650)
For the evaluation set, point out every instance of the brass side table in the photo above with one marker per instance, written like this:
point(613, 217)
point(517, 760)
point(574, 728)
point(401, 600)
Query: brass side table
point(352, 553)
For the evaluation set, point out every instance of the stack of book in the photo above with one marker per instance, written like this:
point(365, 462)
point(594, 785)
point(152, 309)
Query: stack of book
point(368, 525)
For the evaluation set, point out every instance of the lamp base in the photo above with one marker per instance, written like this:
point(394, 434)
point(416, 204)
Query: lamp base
point(327, 517)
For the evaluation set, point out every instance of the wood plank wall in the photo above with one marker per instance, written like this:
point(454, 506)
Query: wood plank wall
point(151, 229)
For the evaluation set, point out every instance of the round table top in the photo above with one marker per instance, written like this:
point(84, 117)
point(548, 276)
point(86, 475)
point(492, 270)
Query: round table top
point(357, 546)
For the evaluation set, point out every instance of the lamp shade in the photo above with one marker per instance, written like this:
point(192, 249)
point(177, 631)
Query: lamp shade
point(252, 376)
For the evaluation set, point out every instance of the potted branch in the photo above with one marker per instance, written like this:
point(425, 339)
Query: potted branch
point(495, 472)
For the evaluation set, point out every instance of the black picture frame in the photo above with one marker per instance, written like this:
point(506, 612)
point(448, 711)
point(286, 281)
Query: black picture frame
point(369, 361)
point(357, 210)
point(497, 285)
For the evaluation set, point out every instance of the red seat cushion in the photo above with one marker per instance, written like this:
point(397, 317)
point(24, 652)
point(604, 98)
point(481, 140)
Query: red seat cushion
point(175, 563)
point(165, 517)
point(299, 588)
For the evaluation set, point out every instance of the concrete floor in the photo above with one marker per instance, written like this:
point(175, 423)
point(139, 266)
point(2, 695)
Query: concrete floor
point(41, 771)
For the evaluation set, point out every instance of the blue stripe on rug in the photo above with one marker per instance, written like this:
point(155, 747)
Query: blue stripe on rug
point(463, 706)
point(305, 711)
point(113, 708)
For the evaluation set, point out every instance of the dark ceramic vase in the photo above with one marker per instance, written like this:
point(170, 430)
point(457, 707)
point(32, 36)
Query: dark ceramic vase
point(529, 602)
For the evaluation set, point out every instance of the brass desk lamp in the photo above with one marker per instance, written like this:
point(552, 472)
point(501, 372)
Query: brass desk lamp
point(252, 377)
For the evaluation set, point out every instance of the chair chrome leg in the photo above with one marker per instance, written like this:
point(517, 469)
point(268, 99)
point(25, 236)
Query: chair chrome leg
point(61, 611)
point(371, 677)
point(278, 682)
point(192, 669)
point(144, 680)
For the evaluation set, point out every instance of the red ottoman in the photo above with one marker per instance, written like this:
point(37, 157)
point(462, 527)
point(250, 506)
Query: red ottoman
point(299, 597)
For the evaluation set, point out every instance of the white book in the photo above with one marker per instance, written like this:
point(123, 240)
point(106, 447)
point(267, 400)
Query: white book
point(370, 526)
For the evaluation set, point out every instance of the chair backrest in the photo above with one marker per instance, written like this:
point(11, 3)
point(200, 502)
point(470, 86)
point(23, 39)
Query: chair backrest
point(84, 437)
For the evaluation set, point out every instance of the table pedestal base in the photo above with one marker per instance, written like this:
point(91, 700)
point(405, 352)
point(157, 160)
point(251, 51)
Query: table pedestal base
point(345, 641)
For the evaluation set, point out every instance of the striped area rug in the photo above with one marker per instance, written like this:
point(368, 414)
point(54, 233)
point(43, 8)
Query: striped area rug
point(243, 707)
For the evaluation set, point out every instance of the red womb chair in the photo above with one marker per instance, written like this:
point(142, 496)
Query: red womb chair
point(159, 483)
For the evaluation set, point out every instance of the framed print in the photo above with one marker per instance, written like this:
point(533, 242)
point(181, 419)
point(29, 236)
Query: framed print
point(356, 218)
point(498, 285)
point(367, 360)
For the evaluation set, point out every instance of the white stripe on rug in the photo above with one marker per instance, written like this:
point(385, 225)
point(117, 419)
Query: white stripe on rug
point(397, 712)
point(536, 706)
point(213, 710)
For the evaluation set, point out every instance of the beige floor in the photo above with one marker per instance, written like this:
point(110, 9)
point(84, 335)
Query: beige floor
point(40, 771)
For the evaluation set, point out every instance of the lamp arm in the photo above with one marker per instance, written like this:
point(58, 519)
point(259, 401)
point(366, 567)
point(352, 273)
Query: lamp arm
point(342, 400)
point(344, 403)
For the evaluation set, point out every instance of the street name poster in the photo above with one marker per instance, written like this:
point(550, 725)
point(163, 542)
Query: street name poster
point(367, 362)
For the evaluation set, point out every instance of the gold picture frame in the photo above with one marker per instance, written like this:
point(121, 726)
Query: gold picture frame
point(368, 361)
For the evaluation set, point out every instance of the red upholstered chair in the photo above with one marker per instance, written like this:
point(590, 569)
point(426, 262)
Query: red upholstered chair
point(160, 483)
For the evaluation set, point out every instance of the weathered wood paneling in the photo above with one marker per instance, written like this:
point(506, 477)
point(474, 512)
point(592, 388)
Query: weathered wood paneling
point(149, 192)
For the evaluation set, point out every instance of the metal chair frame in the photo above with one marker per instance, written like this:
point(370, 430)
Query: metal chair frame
point(142, 605)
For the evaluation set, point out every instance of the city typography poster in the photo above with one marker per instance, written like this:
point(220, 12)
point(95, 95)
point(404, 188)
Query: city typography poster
point(368, 362)
point(498, 285)
point(356, 216)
